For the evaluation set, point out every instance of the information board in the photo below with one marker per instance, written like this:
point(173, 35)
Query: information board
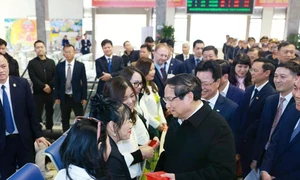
point(220, 6)
point(135, 3)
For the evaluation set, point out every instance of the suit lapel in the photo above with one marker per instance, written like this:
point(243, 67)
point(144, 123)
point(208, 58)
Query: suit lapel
point(230, 92)
point(14, 88)
point(171, 70)
point(104, 64)
point(219, 104)
point(159, 76)
point(260, 94)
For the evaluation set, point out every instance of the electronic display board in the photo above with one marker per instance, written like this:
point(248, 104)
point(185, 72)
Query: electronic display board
point(220, 6)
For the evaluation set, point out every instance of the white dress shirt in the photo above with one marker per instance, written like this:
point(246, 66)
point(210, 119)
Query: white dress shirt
point(258, 88)
point(225, 90)
point(213, 100)
point(7, 90)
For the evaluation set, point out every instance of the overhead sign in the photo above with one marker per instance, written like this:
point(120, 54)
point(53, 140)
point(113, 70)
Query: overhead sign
point(220, 6)
point(135, 3)
point(272, 3)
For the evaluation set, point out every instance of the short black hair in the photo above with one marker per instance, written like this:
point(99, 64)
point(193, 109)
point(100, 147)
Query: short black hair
point(225, 66)
point(68, 45)
point(169, 42)
point(283, 44)
point(208, 48)
point(106, 41)
point(38, 41)
point(185, 83)
point(267, 65)
point(125, 43)
point(147, 47)
point(251, 38)
point(292, 66)
point(3, 42)
point(259, 50)
point(149, 39)
point(198, 41)
point(211, 66)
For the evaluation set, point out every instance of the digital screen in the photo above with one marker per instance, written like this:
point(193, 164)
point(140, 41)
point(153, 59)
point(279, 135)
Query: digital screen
point(220, 6)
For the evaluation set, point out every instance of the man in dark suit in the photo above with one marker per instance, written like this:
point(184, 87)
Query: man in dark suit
point(173, 66)
point(251, 110)
point(19, 127)
point(209, 73)
point(13, 64)
point(149, 42)
point(128, 54)
point(185, 52)
point(274, 108)
point(41, 71)
point(107, 66)
point(161, 54)
point(226, 89)
point(286, 51)
point(85, 45)
point(281, 159)
point(199, 143)
point(70, 86)
point(192, 62)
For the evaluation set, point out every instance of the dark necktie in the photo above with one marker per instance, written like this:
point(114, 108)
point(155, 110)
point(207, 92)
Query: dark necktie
point(295, 132)
point(7, 111)
point(109, 65)
point(197, 61)
point(163, 73)
point(253, 97)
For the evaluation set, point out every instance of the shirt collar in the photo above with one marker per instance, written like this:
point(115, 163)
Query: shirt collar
point(199, 107)
point(158, 66)
point(287, 97)
point(213, 100)
point(6, 84)
point(72, 62)
point(261, 86)
point(109, 57)
point(225, 90)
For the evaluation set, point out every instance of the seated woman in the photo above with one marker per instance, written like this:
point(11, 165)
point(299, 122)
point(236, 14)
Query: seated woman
point(80, 151)
point(117, 118)
point(239, 73)
point(136, 148)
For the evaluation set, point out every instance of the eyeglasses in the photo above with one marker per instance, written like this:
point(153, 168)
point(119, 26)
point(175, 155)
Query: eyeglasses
point(254, 70)
point(169, 99)
point(207, 84)
point(137, 84)
point(78, 118)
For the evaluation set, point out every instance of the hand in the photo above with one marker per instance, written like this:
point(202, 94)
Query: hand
point(42, 140)
point(47, 89)
point(266, 176)
point(57, 101)
point(168, 113)
point(83, 102)
point(237, 157)
point(165, 126)
point(169, 175)
point(105, 77)
point(157, 142)
point(253, 164)
point(147, 151)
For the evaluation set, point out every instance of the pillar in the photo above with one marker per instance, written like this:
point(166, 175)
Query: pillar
point(293, 18)
point(161, 13)
point(266, 23)
point(42, 18)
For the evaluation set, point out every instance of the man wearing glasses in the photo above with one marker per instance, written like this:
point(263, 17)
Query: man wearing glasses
point(199, 143)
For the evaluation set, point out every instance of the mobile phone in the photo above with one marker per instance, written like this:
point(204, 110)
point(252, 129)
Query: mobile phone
point(152, 143)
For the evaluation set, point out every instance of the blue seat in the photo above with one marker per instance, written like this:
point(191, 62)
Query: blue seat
point(53, 152)
point(28, 171)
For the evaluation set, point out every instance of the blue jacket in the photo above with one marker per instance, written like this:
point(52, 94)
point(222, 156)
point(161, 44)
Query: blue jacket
point(235, 94)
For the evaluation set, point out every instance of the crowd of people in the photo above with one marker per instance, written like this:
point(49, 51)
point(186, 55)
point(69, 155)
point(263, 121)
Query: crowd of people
point(192, 116)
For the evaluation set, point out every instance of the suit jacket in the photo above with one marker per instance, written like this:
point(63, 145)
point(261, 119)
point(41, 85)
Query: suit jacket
point(235, 94)
point(85, 46)
point(181, 57)
point(189, 65)
point(13, 65)
point(117, 65)
point(78, 82)
point(227, 108)
point(266, 122)
point(202, 147)
point(250, 115)
point(24, 113)
point(116, 163)
point(281, 159)
point(136, 55)
point(175, 67)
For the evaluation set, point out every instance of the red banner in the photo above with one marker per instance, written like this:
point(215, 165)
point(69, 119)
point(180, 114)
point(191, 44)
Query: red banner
point(135, 3)
point(272, 3)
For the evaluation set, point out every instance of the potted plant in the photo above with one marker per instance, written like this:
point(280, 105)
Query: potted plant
point(295, 39)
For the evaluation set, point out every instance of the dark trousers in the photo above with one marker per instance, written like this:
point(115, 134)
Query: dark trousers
point(47, 100)
point(66, 108)
point(246, 156)
point(14, 153)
